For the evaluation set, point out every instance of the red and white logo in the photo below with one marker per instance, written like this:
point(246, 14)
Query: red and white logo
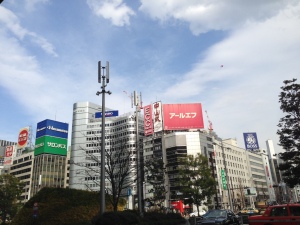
point(9, 151)
point(23, 137)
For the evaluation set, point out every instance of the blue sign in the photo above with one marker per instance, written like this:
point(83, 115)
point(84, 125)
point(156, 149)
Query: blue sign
point(52, 128)
point(129, 191)
point(107, 114)
point(251, 142)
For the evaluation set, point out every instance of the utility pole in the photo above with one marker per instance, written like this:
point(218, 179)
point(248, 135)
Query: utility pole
point(138, 104)
point(105, 80)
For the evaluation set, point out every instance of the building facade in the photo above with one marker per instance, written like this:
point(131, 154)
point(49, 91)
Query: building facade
point(120, 131)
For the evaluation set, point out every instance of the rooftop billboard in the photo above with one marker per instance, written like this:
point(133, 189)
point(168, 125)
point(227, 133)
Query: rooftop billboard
point(23, 138)
point(52, 128)
point(51, 145)
point(107, 114)
point(182, 116)
point(251, 142)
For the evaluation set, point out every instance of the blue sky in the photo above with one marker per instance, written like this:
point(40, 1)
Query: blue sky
point(170, 50)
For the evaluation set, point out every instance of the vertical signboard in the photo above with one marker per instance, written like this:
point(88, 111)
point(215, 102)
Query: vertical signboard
point(183, 116)
point(51, 138)
point(9, 151)
point(224, 182)
point(251, 142)
point(148, 120)
point(23, 140)
point(158, 120)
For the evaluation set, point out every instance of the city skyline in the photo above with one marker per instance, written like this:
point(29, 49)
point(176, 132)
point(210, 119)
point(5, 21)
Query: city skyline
point(232, 58)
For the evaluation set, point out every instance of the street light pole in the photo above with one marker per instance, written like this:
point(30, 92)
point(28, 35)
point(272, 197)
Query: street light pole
point(105, 80)
point(226, 171)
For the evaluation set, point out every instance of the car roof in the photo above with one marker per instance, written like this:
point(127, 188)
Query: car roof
point(288, 204)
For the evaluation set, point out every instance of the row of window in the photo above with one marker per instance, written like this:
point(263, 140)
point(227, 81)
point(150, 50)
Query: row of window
point(99, 144)
point(236, 165)
point(256, 164)
point(21, 165)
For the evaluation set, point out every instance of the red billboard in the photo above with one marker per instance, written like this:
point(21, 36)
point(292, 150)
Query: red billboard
point(183, 116)
point(148, 120)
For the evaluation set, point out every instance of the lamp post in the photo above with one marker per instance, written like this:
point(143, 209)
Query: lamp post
point(226, 171)
point(105, 80)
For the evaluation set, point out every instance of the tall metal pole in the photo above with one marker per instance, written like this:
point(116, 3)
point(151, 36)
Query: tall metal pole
point(227, 181)
point(105, 80)
point(139, 173)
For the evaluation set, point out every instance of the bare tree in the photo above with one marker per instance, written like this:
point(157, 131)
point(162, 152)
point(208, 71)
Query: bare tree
point(120, 169)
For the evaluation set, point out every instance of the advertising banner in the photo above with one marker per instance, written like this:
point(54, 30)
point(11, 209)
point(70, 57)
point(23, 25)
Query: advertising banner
point(107, 114)
point(148, 120)
point(23, 138)
point(52, 128)
point(251, 142)
point(51, 145)
point(9, 151)
point(178, 205)
point(158, 120)
point(183, 116)
point(224, 182)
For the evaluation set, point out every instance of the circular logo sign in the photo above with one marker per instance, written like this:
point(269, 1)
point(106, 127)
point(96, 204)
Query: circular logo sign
point(23, 137)
point(251, 139)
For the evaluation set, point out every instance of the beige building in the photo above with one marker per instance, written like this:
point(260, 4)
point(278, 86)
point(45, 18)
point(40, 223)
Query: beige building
point(22, 169)
point(248, 177)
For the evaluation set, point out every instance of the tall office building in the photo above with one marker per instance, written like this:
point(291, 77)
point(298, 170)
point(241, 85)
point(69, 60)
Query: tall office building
point(50, 155)
point(86, 142)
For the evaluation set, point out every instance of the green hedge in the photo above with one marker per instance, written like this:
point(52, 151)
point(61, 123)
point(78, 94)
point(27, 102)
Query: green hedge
point(60, 206)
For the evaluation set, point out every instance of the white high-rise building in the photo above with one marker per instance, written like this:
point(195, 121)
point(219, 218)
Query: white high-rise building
point(86, 143)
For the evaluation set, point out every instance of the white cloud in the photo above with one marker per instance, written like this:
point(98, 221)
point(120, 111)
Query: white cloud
point(30, 5)
point(115, 10)
point(244, 93)
point(11, 22)
point(203, 15)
